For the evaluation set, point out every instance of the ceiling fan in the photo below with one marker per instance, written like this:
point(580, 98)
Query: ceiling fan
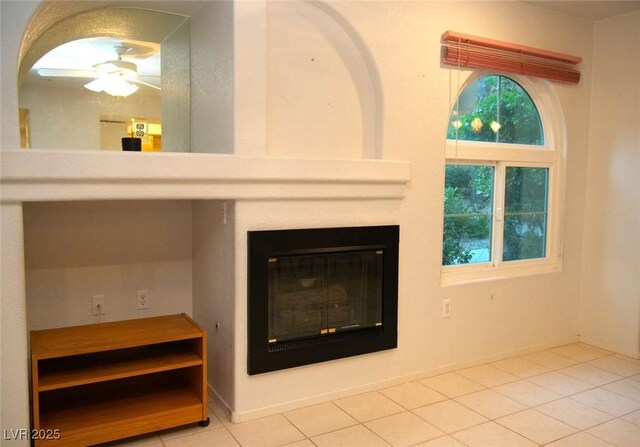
point(114, 77)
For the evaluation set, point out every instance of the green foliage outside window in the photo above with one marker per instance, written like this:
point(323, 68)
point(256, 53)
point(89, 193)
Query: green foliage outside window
point(495, 99)
point(525, 213)
point(468, 204)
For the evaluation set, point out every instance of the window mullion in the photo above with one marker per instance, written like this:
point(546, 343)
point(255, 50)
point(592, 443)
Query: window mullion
point(498, 214)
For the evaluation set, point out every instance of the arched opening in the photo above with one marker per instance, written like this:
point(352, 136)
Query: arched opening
point(78, 68)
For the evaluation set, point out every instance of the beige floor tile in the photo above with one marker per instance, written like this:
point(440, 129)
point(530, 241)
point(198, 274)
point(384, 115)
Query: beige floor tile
point(527, 393)
point(634, 417)
point(606, 401)
point(487, 375)
point(444, 441)
point(266, 432)
point(618, 432)
point(403, 429)
point(560, 383)
point(579, 440)
point(412, 395)
point(219, 437)
point(151, 444)
point(368, 406)
point(574, 413)
point(590, 374)
point(303, 443)
point(627, 387)
point(491, 434)
point(579, 352)
point(490, 404)
point(214, 423)
point(452, 384)
point(549, 359)
point(536, 426)
point(319, 419)
point(520, 367)
point(138, 441)
point(449, 416)
point(617, 365)
point(356, 436)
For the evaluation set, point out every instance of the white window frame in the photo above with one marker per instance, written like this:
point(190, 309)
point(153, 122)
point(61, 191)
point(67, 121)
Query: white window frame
point(502, 155)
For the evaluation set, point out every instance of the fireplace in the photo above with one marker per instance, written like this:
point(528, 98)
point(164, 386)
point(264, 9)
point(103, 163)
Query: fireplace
point(321, 294)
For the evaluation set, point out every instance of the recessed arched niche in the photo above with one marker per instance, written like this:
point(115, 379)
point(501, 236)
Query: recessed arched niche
point(325, 92)
point(94, 77)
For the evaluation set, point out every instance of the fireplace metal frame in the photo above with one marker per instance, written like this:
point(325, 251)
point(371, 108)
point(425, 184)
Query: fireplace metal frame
point(263, 356)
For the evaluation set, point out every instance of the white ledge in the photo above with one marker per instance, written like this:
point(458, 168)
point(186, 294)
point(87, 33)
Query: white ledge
point(47, 175)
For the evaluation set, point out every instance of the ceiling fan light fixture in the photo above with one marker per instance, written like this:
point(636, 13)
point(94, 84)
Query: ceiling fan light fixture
point(96, 85)
point(113, 85)
point(121, 88)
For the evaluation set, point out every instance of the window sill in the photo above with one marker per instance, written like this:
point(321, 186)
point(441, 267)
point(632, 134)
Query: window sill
point(454, 277)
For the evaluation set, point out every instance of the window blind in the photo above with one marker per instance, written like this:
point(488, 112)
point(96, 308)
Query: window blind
point(462, 50)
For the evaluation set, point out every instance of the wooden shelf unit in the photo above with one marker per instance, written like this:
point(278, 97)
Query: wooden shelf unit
point(103, 382)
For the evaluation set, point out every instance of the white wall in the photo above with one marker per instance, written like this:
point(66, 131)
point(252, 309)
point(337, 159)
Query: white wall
point(69, 117)
point(176, 90)
point(14, 17)
point(309, 52)
point(14, 355)
point(489, 318)
point(213, 289)
point(250, 77)
point(610, 310)
point(74, 250)
point(212, 119)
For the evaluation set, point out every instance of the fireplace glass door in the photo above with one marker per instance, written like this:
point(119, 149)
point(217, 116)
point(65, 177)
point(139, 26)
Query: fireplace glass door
point(321, 294)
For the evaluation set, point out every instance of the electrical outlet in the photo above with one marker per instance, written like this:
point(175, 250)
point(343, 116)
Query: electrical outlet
point(143, 299)
point(446, 308)
point(97, 305)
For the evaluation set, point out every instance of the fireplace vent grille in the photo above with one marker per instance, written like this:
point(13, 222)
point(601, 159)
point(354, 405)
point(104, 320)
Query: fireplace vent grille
point(305, 342)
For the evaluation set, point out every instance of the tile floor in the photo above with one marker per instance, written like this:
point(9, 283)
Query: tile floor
point(571, 396)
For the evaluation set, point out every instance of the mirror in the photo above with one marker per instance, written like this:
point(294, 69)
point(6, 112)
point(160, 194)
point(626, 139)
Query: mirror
point(110, 79)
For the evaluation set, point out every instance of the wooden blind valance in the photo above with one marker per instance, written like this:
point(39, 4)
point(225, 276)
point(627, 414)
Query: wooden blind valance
point(462, 50)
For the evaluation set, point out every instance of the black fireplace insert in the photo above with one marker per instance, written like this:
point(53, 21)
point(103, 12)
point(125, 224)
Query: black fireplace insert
point(321, 294)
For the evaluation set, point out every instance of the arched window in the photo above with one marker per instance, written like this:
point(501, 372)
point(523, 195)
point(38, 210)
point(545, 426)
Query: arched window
point(496, 109)
point(500, 183)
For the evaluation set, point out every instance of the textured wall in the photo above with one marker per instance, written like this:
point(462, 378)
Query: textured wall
point(213, 289)
point(212, 118)
point(176, 91)
point(610, 310)
point(74, 250)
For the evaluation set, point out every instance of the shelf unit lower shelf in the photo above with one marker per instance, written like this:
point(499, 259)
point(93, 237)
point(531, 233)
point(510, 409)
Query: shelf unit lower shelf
point(98, 393)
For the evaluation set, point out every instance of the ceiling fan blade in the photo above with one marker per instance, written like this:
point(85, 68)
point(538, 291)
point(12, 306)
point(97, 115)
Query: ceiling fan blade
point(66, 73)
point(138, 81)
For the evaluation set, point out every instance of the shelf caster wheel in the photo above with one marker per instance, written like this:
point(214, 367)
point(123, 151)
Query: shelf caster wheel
point(204, 423)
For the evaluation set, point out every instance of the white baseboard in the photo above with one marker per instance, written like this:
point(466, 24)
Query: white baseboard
point(221, 403)
point(320, 398)
point(617, 349)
